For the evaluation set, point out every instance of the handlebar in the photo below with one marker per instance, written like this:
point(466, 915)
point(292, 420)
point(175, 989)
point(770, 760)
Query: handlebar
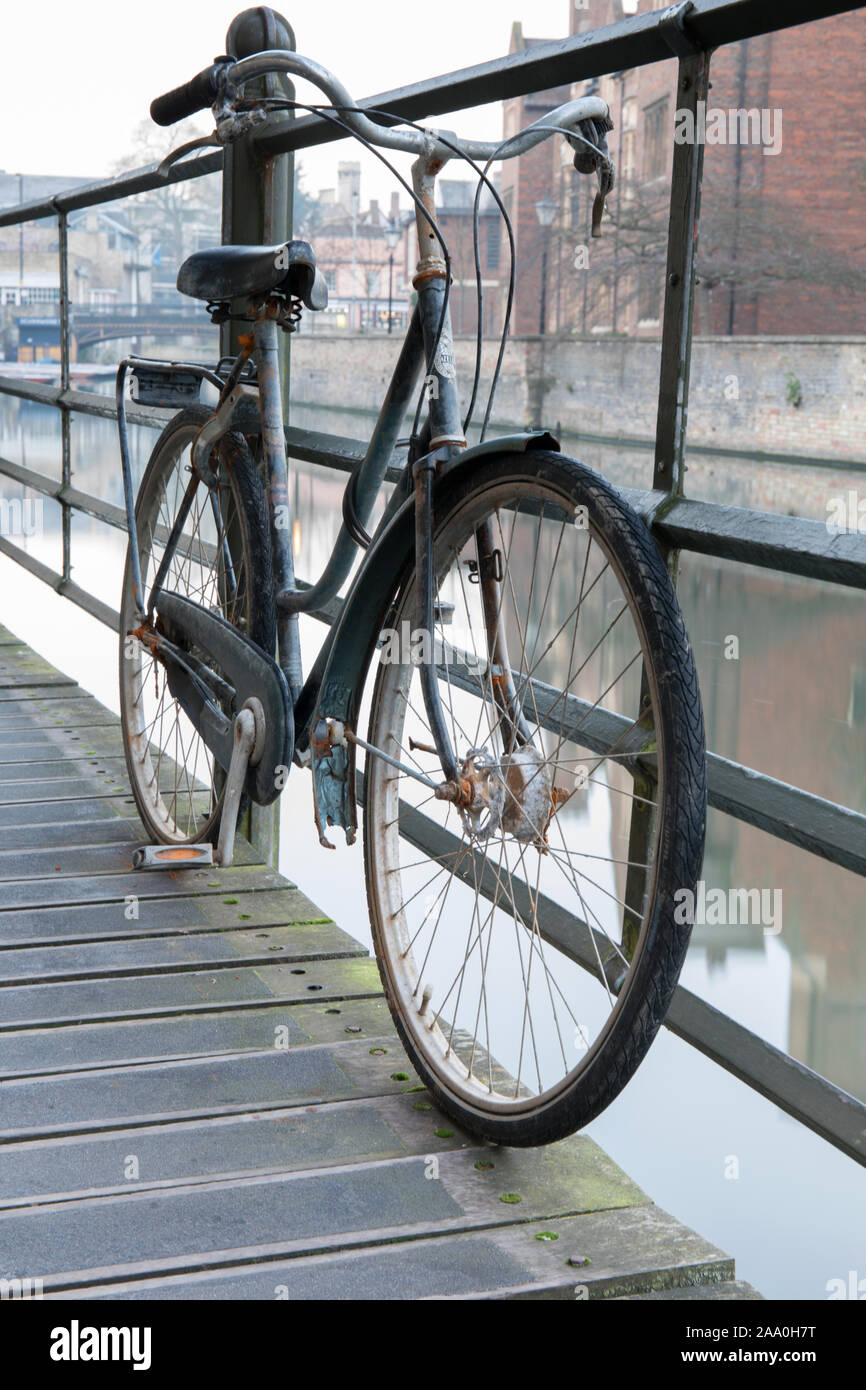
point(196, 95)
point(224, 78)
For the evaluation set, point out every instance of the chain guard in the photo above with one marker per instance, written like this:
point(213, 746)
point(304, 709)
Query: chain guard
point(249, 671)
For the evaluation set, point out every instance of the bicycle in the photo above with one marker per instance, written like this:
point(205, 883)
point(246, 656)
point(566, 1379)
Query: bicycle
point(534, 696)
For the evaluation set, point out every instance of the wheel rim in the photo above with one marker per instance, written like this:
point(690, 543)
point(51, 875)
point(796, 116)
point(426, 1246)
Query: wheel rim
point(178, 783)
point(507, 1024)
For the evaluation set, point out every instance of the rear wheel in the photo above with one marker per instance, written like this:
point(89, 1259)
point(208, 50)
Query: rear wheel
point(529, 943)
point(223, 561)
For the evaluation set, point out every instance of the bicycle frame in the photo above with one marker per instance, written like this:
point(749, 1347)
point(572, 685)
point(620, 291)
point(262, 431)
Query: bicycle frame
point(428, 344)
point(326, 704)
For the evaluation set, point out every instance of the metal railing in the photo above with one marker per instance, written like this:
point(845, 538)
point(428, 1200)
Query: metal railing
point(257, 207)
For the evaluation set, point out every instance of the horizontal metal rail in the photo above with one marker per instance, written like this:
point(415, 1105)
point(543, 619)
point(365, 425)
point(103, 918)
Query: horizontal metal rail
point(634, 42)
point(769, 540)
point(143, 180)
point(66, 587)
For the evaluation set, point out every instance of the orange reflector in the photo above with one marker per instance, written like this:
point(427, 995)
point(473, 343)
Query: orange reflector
point(185, 853)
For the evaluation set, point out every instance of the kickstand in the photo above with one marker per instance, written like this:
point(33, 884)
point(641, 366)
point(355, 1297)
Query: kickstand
point(245, 740)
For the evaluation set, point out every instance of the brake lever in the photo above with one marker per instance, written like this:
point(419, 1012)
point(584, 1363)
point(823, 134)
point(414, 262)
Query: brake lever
point(230, 125)
point(164, 169)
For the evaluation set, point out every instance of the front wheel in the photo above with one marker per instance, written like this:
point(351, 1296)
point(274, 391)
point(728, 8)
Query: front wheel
point(530, 943)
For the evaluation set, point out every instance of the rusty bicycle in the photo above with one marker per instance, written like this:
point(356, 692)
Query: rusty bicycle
point(532, 771)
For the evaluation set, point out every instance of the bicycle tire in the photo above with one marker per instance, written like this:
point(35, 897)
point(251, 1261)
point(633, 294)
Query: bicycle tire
point(645, 994)
point(242, 499)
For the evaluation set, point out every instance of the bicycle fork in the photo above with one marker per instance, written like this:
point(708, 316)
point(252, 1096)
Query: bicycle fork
point(447, 438)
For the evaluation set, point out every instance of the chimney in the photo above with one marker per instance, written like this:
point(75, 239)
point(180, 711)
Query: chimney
point(374, 212)
point(349, 184)
point(395, 206)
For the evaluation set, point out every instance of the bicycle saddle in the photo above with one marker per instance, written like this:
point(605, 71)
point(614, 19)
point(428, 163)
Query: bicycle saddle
point(227, 272)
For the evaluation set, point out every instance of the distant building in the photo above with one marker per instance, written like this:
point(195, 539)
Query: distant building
point(781, 247)
point(38, 339)
point(455, 215)
point(353, 255)
point(109, 265)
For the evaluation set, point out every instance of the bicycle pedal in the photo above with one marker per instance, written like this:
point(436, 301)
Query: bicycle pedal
point(172, 857)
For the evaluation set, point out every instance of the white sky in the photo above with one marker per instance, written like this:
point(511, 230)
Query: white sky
point(75, 110)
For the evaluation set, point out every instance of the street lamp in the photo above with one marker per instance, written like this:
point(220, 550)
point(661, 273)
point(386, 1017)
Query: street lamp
point(545, 211)
point(392, 236)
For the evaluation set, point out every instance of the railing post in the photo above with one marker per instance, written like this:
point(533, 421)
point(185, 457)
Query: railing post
point(257, 210)
point(669, 469)
point(65, 422)
point(685, 209)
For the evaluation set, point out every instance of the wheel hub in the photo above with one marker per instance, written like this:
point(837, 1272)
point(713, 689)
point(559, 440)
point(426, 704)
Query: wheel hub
point(513, 794)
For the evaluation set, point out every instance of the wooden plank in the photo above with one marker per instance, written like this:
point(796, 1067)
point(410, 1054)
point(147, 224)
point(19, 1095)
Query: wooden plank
point(78, 810)
point(76, 860)
point(165, 993)
point(86, 1046)
point(163, 917)
point(627, 1248)
point(112, 959)
point(222, 1084)
point(190, 1228)
point(140, 883)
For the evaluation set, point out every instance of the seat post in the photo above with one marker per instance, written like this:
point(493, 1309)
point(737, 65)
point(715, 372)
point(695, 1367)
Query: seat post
point(267, 358)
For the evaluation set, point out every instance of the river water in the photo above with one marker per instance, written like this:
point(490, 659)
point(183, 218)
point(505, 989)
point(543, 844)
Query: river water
point(782, 664)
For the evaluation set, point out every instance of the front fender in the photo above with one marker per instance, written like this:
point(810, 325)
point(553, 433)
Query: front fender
point(385, 567)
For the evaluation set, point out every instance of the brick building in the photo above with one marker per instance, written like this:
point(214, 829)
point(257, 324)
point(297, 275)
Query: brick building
point(353, 254)
point(782, 249)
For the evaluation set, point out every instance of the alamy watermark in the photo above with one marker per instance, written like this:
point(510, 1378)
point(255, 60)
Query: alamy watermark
point(846, 515)
point(736, 126)
point(717, 907)
point(20, 516)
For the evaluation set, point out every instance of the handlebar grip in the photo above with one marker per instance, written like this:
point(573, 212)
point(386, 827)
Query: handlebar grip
point(195, 95)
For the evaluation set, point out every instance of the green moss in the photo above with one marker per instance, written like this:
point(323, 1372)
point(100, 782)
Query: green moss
point(483, 1164)
point(399, 1076)
point(510, 1197)
point(444, 1133)
point(546, 1235)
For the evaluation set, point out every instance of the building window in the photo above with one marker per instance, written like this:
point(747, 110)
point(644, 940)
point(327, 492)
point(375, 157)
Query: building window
point(628, 156)
point(40, 294)
point(603, 308)
point(657, 140)
point(649, 297)
point(494, 241)
point(372, 282)
point(331, 280)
